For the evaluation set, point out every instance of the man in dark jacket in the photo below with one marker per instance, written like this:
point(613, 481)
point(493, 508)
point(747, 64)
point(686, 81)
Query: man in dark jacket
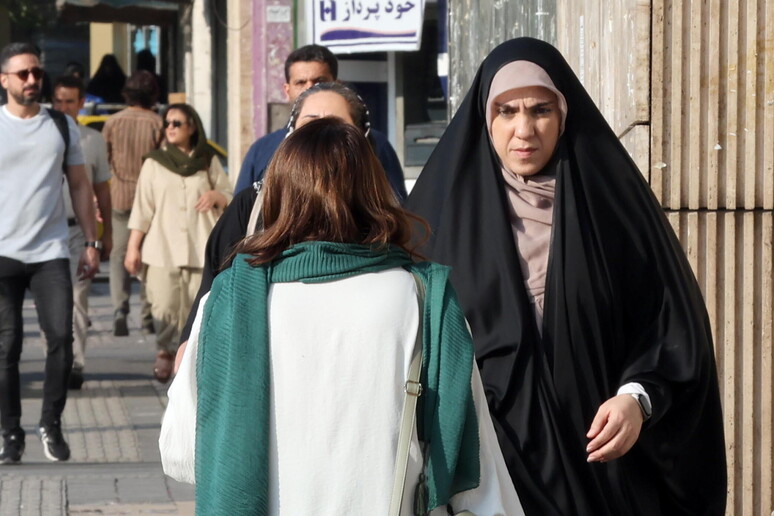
point(305, 67)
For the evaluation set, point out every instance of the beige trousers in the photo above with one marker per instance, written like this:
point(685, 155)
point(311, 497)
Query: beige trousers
point(171, 292)
point(80, 299)
point(120, 280)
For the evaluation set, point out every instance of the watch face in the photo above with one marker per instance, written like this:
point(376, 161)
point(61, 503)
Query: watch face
point(644, 405)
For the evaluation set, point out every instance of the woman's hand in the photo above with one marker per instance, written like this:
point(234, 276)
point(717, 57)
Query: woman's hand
point(211, 199)
point(179, 355)
point(133, 260)
point(615, 428)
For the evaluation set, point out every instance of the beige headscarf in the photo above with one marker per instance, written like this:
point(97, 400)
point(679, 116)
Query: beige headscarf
point(530, 199)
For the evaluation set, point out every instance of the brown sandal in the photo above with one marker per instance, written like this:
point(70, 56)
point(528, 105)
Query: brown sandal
point(165, 364)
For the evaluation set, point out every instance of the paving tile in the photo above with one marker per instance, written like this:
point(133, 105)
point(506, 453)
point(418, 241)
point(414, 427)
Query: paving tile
point(112, 426)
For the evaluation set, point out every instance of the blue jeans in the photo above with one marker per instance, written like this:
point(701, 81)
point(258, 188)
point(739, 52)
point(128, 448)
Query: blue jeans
point(51, 288)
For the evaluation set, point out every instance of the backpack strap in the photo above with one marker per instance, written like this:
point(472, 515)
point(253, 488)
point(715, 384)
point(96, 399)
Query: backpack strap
point(60, 120)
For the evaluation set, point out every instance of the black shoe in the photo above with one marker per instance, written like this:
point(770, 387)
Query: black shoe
point(76, 379)
point(13, 447)
point(120, 329)
point(54, 445)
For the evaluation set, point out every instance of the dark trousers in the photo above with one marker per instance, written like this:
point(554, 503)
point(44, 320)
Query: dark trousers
point(52, 291)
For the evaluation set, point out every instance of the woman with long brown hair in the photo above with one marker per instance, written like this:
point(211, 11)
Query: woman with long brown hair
point(303, 349)
point(323, 99)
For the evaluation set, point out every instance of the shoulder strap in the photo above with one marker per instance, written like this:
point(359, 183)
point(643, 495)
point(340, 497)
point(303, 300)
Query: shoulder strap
point(60, 120)
point(413, 389)
point(255, 222)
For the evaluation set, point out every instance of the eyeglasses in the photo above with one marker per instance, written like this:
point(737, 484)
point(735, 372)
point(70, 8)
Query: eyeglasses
point(37, 74)
point(177, 124)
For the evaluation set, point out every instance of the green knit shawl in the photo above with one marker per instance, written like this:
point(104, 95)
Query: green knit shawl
point(232, 431)
point(177, 161)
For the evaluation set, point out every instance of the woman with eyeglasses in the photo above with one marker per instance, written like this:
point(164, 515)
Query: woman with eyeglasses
point(181, 192)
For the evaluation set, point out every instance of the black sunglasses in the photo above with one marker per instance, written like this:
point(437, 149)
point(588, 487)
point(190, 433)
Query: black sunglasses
point(177, 124)
point(37, 74)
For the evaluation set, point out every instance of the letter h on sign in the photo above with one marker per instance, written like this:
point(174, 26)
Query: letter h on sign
point(328, 10)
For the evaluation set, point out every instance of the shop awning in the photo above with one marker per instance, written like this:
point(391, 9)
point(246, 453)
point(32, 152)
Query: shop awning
point(136, 12)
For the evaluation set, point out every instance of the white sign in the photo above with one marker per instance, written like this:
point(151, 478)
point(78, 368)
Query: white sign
point(347, 26)
point(278, 14)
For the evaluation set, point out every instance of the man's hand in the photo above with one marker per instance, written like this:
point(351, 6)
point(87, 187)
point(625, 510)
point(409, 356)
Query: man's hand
point(107, 245)
point(615, 428)
point(88, 264)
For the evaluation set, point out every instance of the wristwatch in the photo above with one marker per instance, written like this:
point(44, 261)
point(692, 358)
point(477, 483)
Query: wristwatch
point(644, 403)
point(96, 244)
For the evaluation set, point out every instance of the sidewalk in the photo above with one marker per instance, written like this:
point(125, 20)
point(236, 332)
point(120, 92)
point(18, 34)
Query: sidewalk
point(112, 425)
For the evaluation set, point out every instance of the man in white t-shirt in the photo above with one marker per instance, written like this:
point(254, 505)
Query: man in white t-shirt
point(69, 98)
point(34, 254)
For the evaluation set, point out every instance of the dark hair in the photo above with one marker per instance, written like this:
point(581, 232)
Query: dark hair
point(14, 49)
point(141, 89)
point(108, 80)
point(146, 60)
point(191, 116)
point(326, 184)
point(357, 107)
point(75, 68)
point(316, 53)
point(70, 81)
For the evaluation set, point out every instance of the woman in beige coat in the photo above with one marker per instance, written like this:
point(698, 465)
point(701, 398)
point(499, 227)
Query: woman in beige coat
point(181, 192)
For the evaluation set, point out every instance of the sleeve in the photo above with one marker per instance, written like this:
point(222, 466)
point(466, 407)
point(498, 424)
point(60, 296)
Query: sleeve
point(196, 326)
point(247, 173)
point(144, 206)
point(106, 132)
point(102, 172)
point(74, 152)
point(158, 132)
point(391, 163)
point(220, 179)
point(495, 494)
point(228, 231)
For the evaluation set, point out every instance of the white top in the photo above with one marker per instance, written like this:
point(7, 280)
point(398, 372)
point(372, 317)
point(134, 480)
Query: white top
point(340, 354)
point(33, 226)
point(95, 156)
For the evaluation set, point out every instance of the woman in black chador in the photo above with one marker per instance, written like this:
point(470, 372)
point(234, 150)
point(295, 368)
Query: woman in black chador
point(590, 330)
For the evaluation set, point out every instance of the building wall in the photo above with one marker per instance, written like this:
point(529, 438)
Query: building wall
point(5, 27)
point(240, 83)
point(495, 21)
point(273, 41)
point(199, 63)
point(260, 36)
point(712, 164)
point(607, 42)
point(110, 38)
point(692, 95)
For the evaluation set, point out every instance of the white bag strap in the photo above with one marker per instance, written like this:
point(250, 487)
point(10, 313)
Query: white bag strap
point(413, 389)
point(255, 222)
